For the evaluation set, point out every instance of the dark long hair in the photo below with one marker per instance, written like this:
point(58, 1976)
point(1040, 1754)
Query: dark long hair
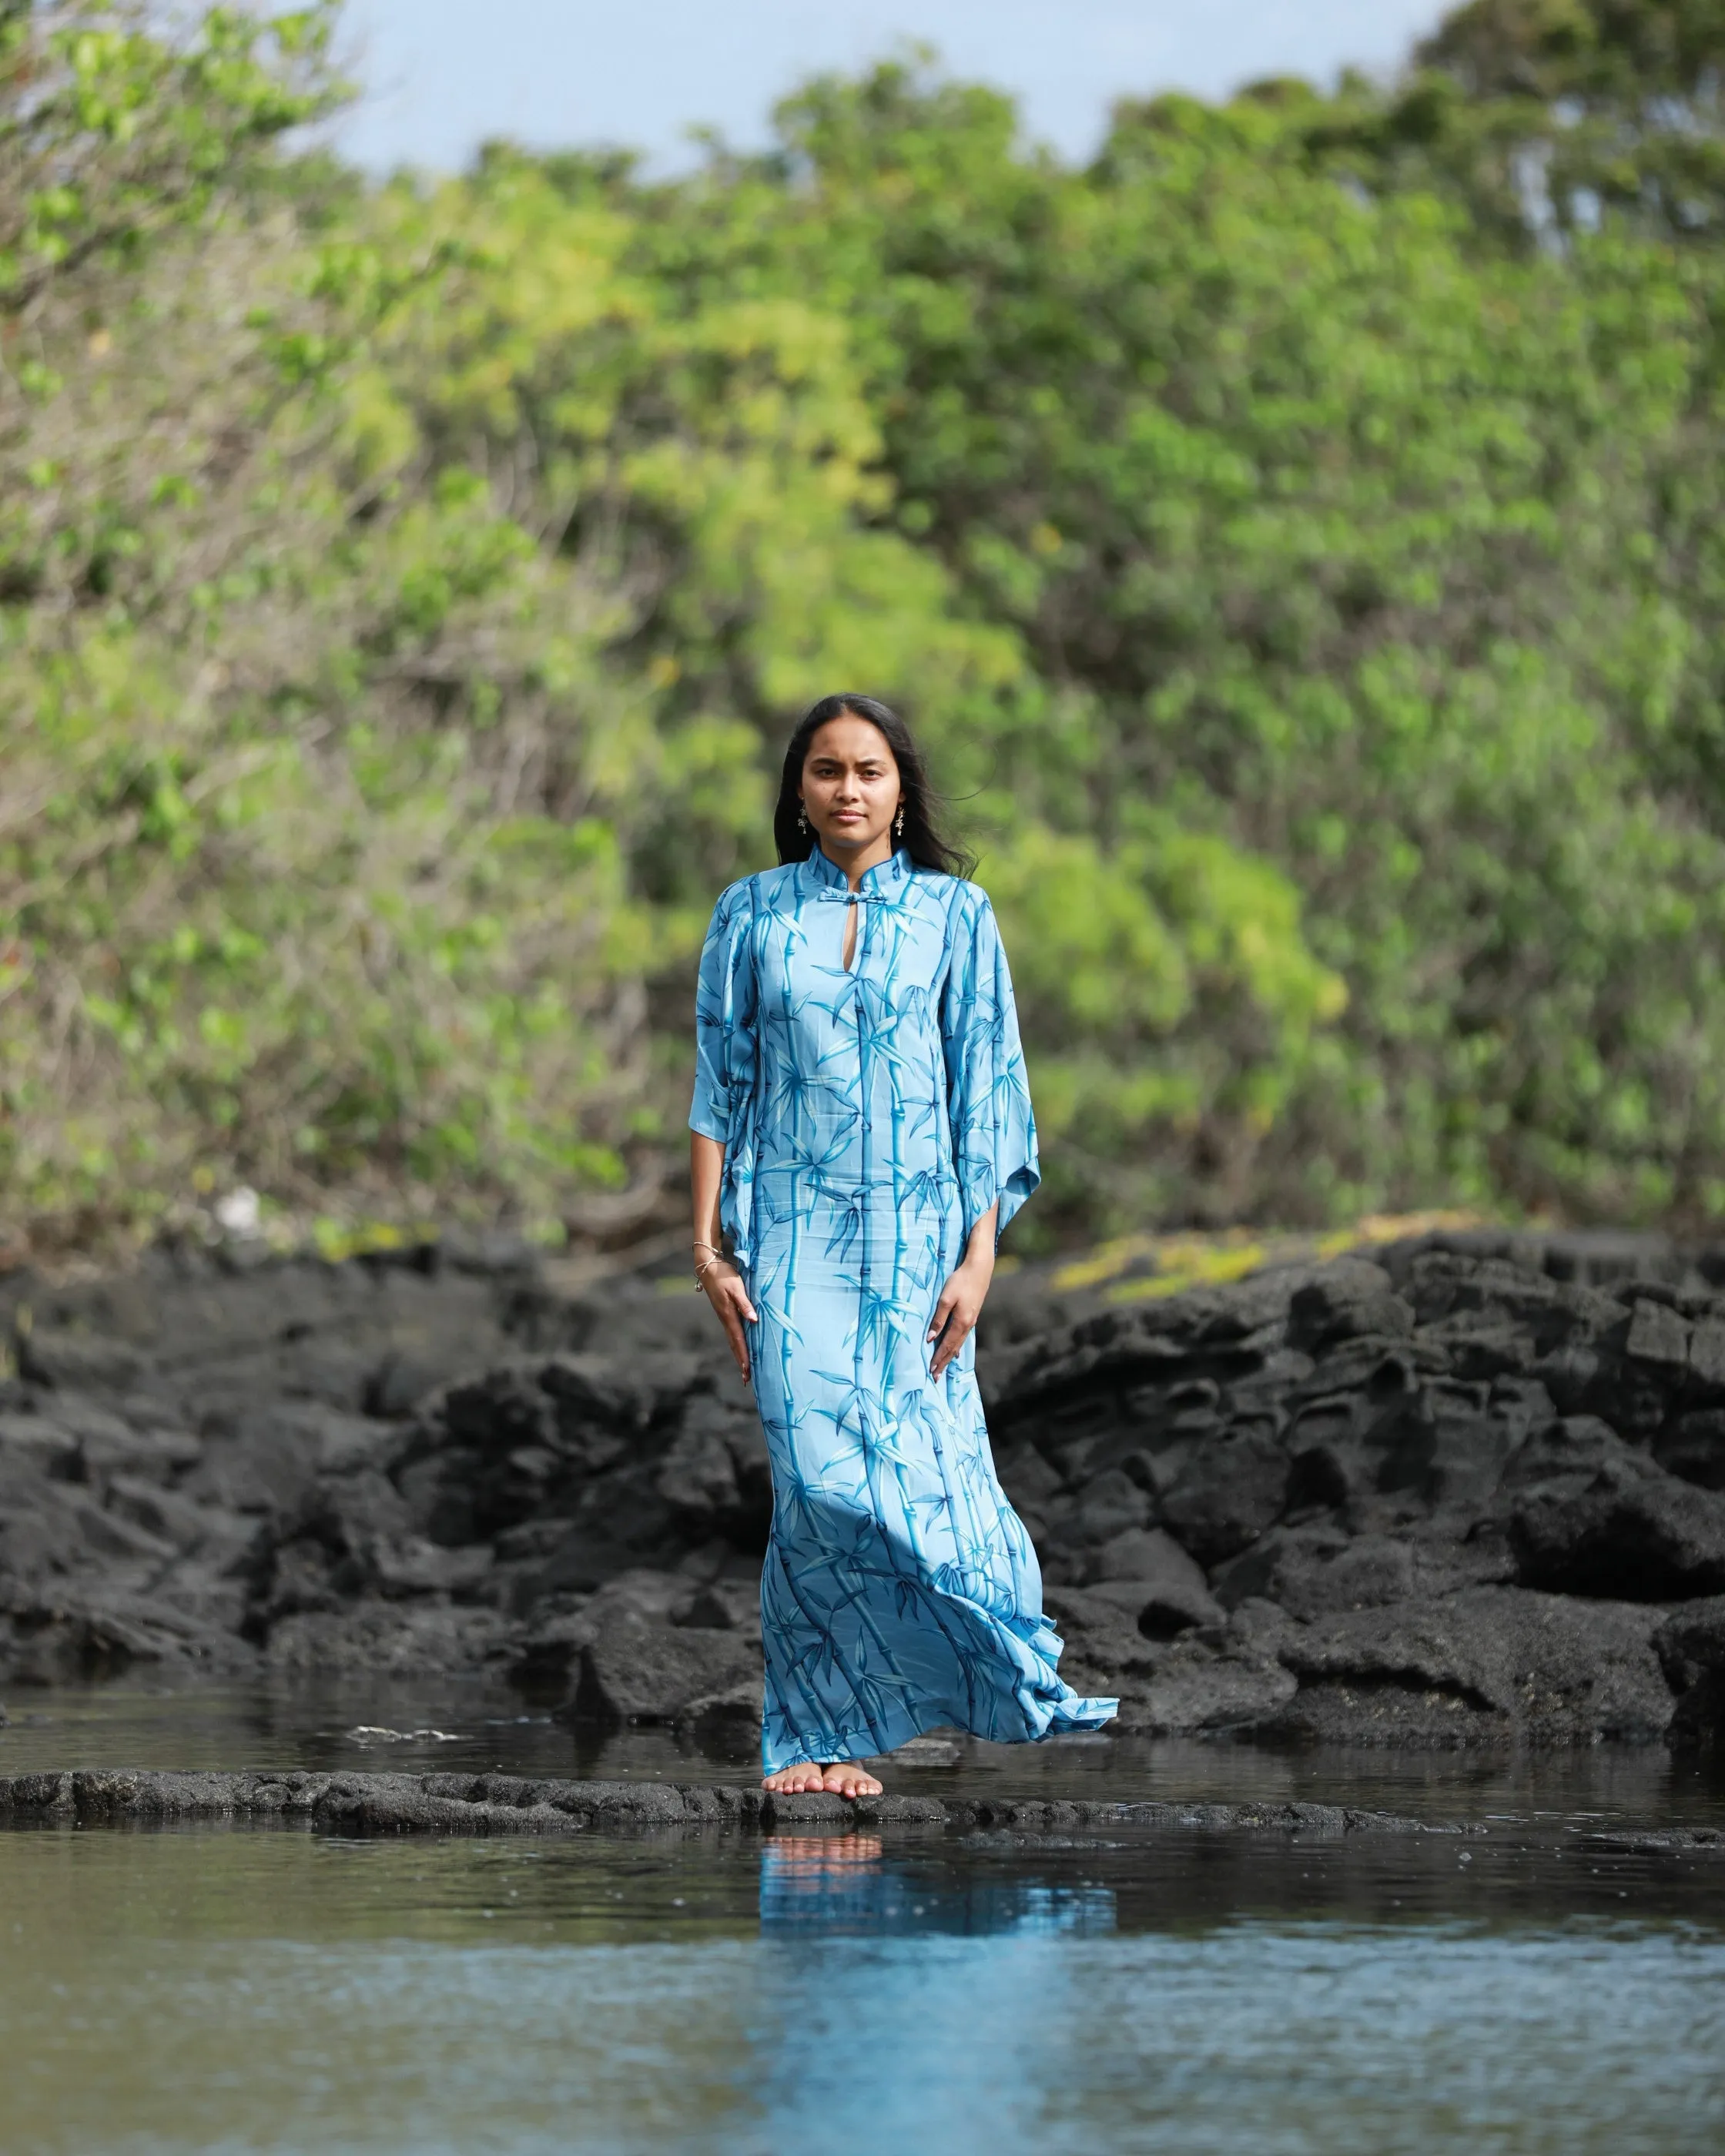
point(923, 838)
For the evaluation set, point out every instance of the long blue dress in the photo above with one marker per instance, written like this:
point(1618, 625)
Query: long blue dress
point(870, 1117)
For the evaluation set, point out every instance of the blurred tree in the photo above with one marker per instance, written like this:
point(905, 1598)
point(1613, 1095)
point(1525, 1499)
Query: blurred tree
point(1305, 565)
point(1543, 116)
point(392, 592)
point(1348, 549)
point(1626, 99)
point(1630, 53)
point(110, 133)
point(307, 870)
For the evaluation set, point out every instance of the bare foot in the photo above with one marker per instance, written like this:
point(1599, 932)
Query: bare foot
point(802, 1779)
point(848, 1779)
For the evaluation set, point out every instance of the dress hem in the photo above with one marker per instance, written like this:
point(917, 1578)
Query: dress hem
point(1066, 1718)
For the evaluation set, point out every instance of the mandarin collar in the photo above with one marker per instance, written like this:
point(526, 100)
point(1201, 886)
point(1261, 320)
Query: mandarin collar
point(884, 883)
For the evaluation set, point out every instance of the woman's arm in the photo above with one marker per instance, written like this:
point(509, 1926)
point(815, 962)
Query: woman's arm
point(988, 1095)
point(994, 1134)
point(719, 1279)
point(962, 1298)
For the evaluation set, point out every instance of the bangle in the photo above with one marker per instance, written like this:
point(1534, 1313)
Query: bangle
point(718, 1258)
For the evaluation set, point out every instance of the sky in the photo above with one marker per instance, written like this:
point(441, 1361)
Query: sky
point(441, 76)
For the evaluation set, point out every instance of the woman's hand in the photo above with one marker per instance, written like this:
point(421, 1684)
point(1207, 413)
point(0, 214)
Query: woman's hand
point(960, 1305)
point(722, 1285)
point(717, 1277)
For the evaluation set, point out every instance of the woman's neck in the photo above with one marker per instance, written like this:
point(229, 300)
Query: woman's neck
point(856, 861)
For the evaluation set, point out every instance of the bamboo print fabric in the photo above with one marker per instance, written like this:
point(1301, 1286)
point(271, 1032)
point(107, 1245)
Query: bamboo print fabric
point(870, 1116)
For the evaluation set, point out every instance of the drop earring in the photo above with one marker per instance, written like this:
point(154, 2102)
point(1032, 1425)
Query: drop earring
point(898, 822)
point(802, 821)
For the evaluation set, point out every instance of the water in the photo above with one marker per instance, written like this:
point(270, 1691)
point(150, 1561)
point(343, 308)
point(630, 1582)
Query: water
point(274, 1989)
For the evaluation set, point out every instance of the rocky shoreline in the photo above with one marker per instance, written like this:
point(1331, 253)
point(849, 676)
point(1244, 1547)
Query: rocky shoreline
point(1469, 1489)
point(353, 1804)
point(508, 1803)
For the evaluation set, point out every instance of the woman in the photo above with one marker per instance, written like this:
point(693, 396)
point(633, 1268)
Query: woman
point(862, 1134)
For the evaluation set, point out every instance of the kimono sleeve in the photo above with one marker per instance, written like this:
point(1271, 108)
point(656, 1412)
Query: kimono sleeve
point(724, 1019)
point(987, 1092)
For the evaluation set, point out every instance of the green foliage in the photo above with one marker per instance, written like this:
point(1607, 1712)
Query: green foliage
point(1350, 541)
point(109, 134)
point(1543, 113)
point(1305, 575)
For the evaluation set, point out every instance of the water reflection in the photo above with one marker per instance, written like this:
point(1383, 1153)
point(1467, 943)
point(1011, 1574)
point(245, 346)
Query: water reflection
point(843, 1885)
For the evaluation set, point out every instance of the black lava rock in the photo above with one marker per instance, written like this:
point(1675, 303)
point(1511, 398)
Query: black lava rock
point(1641, 1536)
point(1469, 1491)
point(1691, 1645)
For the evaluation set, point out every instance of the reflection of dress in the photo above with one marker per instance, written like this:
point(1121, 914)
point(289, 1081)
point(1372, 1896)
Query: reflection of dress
point(869, 1118)
point(831, 1883)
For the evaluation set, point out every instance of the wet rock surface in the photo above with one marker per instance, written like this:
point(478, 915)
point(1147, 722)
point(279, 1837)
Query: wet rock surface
point(508, 1803)
point(1470, 1490)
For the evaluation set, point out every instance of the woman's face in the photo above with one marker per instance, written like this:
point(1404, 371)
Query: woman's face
point(850, 784)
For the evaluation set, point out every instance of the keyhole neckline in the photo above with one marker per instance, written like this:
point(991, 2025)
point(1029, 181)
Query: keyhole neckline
point(886, 882)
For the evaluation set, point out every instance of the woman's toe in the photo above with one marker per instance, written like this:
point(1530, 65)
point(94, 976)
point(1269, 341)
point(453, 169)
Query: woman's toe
point(850, 1781)
point(797, 1781)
